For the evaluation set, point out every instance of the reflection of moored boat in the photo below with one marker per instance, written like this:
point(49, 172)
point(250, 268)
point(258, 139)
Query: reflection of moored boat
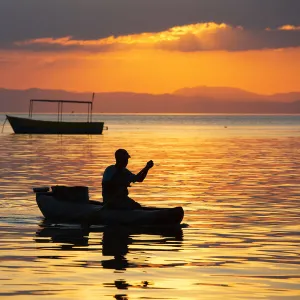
point(82, 210)
point(32, 126)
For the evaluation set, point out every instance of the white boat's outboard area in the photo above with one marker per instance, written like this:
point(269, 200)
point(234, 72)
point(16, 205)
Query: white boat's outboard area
point(72, 204)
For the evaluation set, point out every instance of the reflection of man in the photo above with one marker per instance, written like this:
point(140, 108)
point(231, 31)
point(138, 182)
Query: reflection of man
point(117, 179)
point(115, 243)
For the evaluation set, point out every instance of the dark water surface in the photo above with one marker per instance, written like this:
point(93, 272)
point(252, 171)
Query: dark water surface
point(237, 178)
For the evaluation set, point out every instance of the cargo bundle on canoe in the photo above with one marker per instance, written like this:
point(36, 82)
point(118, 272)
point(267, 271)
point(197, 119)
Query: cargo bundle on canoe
point(72, 204)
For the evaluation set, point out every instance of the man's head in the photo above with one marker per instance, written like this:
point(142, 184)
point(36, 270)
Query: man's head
point(122, 156)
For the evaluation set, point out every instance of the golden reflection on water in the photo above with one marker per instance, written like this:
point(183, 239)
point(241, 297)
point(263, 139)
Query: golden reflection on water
point(240, 237)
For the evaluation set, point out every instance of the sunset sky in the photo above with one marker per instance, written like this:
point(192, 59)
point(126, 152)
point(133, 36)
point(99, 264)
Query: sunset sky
point(152, 46)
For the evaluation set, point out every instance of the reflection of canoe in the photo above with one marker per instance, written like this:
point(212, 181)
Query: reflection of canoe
point(31, 126)
point(115, 241)
point(112, 235)
point(92, 213)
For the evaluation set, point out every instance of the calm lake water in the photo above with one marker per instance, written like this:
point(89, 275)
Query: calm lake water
point(237, 178)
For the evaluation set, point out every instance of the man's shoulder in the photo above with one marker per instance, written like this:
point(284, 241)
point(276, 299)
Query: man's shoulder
point(109, 172)
point(110, 168)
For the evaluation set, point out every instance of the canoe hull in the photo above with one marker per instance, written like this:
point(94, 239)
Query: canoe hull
point(64, 211)
point(31, 126)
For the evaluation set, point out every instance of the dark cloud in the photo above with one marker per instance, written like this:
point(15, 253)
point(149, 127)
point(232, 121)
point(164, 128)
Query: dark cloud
point(48, 47)
point(234, 39)
point(96, 19)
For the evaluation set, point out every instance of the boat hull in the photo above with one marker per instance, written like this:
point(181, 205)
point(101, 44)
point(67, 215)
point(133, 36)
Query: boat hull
point(91, 213)
point(31, 126)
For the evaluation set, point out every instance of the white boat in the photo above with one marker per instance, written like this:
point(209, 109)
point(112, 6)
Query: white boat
point(33, 126)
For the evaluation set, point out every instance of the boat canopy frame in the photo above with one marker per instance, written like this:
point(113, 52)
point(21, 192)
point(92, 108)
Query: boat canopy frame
point(60, 107)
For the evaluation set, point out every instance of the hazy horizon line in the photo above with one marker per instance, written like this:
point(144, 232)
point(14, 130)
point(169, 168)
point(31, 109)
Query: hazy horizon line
point(148, 93)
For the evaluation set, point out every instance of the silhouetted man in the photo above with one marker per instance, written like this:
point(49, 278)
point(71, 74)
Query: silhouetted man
point(117, 179)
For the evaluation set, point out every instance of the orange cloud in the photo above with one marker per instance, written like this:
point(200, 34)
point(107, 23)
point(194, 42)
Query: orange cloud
point(189, 38)
point(289, 28)
point(143, 40)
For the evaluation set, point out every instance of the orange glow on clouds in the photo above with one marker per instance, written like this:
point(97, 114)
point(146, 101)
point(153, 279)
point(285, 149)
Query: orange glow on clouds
point(162, 62)
point(204, 32)
point(289, 27)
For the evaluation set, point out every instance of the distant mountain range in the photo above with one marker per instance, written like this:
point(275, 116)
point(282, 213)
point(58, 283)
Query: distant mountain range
point(234, 94)
point(187, 100)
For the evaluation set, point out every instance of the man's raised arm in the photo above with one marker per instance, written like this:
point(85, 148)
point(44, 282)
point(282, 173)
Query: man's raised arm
point(143, 173)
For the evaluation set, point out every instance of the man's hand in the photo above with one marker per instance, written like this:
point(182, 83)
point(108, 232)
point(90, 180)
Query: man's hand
point(150, 164)
point(143, 173)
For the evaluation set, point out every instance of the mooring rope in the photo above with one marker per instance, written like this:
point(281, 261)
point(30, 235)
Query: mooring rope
point(4, 124)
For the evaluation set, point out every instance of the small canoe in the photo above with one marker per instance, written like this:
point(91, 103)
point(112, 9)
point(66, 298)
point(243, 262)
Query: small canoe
point(93, 213)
